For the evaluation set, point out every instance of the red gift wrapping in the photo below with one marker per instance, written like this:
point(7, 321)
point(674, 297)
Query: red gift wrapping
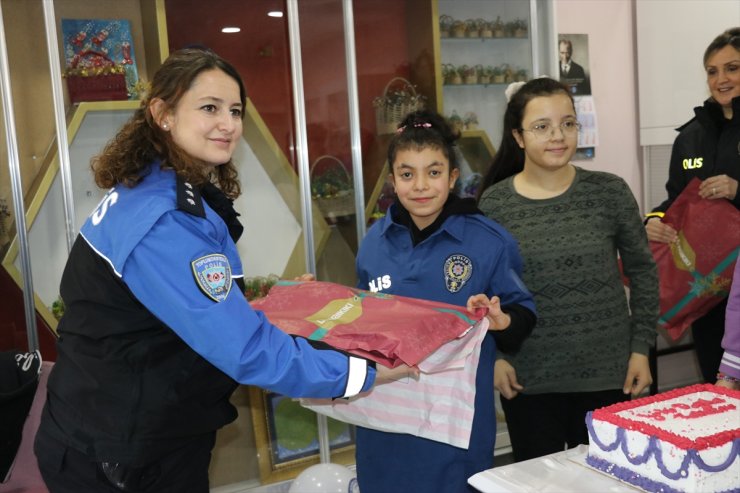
point(695, 272)
point(385, 328)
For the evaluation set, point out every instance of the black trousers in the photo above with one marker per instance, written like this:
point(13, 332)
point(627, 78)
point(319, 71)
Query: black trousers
point(707, 333)
point(65, 470)
point(542, 424)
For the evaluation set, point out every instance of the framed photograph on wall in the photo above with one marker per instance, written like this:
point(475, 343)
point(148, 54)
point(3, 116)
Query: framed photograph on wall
point(286, 436)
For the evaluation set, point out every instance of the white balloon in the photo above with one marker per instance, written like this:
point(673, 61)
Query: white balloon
point(325, 478)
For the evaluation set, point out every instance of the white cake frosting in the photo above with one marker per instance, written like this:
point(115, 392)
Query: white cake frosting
point(685, 440)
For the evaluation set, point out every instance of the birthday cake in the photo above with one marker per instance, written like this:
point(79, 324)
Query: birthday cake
point(684, 440)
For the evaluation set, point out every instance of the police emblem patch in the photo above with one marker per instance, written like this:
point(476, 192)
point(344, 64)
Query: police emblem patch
point(213, 275)
point(457, 270)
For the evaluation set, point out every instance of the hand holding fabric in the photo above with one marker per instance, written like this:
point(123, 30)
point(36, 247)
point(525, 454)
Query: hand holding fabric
point(728, 384)
point(659, 231)
point(386, 375)
point(718, 187)
point(497, 319)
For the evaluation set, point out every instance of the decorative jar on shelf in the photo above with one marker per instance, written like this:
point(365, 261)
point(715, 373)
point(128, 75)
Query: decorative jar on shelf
point(498, 28)
point(454, 76)
point(471, 28)
point(485, 75)
point(470, 121)
point(498, 75)
point(458, 29)
point(445, 25)
point(520, 31)
point(469, 74)
point(456, 123)
point(486, 30)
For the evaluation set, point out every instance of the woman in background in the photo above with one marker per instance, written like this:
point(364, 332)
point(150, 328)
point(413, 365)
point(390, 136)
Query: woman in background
point(708, 148)
point(590, 346)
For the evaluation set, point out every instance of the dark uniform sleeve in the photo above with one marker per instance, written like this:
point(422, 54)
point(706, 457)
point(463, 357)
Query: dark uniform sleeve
point(523, 321)
point(238, 340)
point(676, 178)
point(516, 300)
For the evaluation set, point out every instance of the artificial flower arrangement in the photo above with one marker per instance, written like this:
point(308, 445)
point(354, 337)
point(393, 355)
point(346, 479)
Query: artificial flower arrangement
point(470, 120)
point(259, 286)
point(451, 75)
point(485, 74)
point(456, 122)
point(332, 188)
point(57, 308)
point(100, 61)
point(398, 100)
point(482, 28)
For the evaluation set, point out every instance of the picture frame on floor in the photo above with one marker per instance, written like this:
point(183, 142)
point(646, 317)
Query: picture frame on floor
point(286, 436)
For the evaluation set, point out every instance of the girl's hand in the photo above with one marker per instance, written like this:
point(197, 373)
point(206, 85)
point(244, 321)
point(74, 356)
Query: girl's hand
point(497, 319)
point(659, 231)
point(385, 374)
point(638, 375)
point(728, 384)
point(718, 187)
point(504, 379)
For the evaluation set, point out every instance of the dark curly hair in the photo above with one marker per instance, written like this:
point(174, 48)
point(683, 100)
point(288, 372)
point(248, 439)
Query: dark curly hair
point(424, 129)
point(141, 141)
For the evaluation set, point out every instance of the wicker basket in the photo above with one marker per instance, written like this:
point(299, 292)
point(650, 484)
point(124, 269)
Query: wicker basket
point(338, 198)
point(392, 107)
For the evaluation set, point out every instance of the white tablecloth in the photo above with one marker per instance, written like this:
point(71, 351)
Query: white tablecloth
point(561, 472)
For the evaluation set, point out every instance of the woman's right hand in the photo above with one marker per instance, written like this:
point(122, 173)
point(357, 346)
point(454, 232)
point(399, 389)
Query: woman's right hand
point(385, 374)
point(659, 231)
point(504, 379)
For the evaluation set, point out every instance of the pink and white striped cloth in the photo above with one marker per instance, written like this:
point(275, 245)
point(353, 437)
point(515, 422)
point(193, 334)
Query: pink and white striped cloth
point(438, 406)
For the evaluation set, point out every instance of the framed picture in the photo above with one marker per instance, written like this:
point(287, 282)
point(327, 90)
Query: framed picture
point(99, 59)
point(286, 436)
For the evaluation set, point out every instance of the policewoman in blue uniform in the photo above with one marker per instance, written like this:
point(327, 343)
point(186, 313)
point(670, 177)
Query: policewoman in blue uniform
point(433, 245)
point(157, 333)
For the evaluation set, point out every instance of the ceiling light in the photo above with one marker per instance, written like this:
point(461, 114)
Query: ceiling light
point(230, 30)
point(275, 13)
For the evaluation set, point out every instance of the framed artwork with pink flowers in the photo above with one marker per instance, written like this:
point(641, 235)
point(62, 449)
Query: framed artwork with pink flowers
point(99, 60)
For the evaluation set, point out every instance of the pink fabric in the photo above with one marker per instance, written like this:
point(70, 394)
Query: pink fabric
point(25, 476)
point(389, 329)
point(439, 406)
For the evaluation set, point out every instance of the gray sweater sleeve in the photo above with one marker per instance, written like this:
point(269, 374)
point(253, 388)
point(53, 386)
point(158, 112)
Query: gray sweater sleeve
point(639, 267)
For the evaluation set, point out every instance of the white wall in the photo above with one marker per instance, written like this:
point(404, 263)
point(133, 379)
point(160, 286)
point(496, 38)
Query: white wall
point(610, 28)
point(669, 60)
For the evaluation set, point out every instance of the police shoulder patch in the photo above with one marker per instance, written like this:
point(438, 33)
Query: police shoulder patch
point(213, 275)
point(457, 270)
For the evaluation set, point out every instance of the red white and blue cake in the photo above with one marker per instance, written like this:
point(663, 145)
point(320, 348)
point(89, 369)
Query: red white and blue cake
point(684, 440)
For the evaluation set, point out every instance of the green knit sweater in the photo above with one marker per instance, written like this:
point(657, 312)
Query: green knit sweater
point(586, 327)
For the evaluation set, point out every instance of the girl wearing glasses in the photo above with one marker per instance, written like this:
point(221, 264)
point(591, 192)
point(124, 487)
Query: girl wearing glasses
point(590, 344)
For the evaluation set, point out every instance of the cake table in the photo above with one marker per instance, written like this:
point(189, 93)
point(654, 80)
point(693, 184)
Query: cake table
point(559, 472)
